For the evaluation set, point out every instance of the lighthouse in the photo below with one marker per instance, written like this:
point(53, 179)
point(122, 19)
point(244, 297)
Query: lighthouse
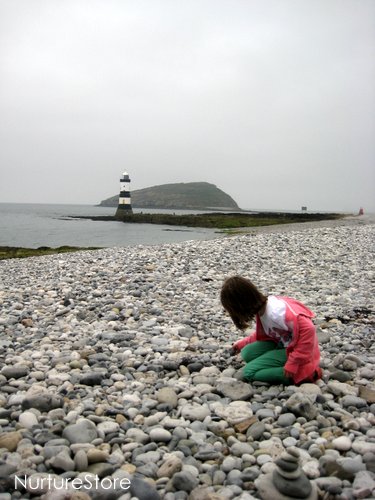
point(124, 201)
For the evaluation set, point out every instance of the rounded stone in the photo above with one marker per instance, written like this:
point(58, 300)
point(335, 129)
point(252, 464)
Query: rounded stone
point(15, 371)
point(342, 443)
point(95, 455)
point(143, 490)
point(230, 463)
point(91, 379)
point(286, 465)
point(289, 441)
point(263, 459)
point(256, 431)
point(159, 434)
point(363, 447)
point(82, 432)
point(63, 461)
point(44, 401)
point(172, 465)
point(238, 449)
point(80, 460)
point(195, 412)
point(27, 419)
point(286, 419)
point(184, 481)
point(296, 488)
point(108, 427)
point(168, 396)
point(10, 440)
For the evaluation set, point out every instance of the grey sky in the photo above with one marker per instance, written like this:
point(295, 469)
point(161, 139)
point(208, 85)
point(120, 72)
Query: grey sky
point(271, 100)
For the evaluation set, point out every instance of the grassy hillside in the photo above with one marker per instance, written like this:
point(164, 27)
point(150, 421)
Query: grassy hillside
point(191, 195)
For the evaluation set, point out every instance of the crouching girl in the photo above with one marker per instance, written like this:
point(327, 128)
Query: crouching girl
point(284, 348)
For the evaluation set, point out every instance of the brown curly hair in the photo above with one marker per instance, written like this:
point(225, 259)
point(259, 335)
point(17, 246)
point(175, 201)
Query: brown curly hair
point(242, 300)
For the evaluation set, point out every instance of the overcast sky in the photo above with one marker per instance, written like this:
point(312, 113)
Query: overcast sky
point(273, 101)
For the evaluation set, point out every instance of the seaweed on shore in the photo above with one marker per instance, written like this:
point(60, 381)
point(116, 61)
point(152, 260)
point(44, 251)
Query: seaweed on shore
point(20, 252)
point(218, 220)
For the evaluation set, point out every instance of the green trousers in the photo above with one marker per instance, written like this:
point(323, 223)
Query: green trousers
point(265, 363)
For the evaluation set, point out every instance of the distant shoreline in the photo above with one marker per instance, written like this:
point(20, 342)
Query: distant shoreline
point(11, 252)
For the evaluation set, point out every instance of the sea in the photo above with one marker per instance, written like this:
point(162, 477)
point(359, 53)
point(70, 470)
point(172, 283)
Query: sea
point(36, 225)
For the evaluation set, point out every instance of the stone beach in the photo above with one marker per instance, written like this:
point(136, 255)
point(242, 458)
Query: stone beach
point(115, 364)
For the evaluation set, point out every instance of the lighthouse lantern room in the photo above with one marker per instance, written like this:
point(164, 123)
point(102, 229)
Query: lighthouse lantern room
point(124, 201)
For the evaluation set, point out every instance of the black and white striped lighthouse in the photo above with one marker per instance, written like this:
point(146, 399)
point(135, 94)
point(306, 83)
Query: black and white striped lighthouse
point(124, 201)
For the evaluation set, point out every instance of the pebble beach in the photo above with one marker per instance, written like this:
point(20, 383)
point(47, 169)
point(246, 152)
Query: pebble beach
point(116, 373)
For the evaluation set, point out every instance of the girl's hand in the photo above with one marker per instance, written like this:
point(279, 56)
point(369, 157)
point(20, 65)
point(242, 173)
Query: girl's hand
point(235, 348)
point(240, 344)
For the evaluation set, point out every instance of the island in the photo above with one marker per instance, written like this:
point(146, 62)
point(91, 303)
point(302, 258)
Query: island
point(180, 196)
point(220, 210)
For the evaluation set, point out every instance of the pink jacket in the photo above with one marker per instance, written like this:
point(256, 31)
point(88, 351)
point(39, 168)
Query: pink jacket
point(303, 354)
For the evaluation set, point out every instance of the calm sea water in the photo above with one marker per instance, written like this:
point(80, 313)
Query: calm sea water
point(35, 225)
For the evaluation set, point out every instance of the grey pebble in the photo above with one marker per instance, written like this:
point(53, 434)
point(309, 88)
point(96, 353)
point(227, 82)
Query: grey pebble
point(82, 432)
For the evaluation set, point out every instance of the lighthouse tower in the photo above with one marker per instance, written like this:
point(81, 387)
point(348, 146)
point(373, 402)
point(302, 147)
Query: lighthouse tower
point(124, 201)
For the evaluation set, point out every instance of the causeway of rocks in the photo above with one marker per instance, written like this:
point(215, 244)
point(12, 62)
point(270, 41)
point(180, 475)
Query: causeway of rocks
point(115, 364)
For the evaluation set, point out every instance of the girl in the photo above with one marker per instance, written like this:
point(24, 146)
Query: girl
point(284, 347)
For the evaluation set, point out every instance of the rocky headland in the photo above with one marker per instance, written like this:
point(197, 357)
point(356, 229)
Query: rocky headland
point(116, 365)
point(182, 195)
